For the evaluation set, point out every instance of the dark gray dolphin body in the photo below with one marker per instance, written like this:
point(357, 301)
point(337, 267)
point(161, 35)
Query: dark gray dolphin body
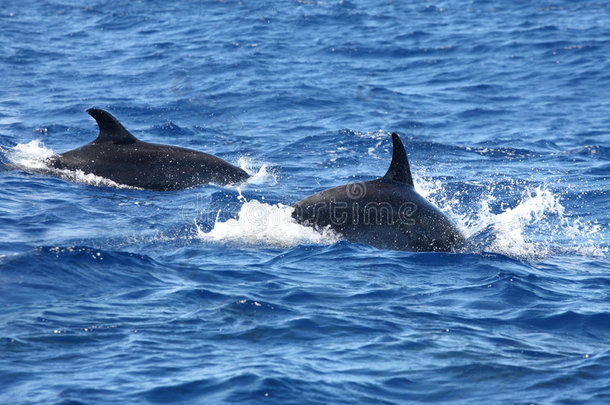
point(386, 213)
point(119, 156)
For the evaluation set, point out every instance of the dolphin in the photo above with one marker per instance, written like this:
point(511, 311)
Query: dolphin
point(385, 213)
point(119, 156)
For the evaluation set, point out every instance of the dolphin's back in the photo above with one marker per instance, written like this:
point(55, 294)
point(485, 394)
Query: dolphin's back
point(386, 213)
point(119, 156)
point(150, 166)
point(388, 216)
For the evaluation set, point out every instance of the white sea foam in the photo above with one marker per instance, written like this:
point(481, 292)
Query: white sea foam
point(264, 224)
point(33, 157)
point(29, 156)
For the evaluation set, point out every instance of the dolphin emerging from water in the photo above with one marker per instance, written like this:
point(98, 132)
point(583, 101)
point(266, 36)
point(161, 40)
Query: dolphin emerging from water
point(119, 156)
point(386, 213)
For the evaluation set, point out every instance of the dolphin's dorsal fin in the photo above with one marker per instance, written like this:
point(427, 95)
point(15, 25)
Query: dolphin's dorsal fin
point(399, 170)
point(111, 130)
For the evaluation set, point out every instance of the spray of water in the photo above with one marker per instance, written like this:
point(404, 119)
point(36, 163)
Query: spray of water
point(534, 225)
point(259, 174)
point(264, 224)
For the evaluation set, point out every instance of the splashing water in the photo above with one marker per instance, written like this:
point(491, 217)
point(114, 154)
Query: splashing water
point(535, 226)
point(263, 224)
point(261, 176)
point(30, 156)
point(33, 157)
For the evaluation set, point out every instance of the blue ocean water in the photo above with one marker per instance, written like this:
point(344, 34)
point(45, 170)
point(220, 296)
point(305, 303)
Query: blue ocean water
point(213, 295)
